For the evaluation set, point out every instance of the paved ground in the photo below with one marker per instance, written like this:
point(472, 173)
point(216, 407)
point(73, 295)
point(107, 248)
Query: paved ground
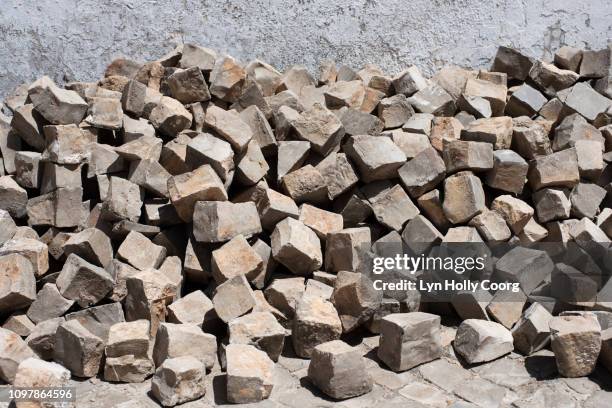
point(512, 381)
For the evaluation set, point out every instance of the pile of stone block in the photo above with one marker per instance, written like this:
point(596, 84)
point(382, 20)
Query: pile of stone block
point(195, 211)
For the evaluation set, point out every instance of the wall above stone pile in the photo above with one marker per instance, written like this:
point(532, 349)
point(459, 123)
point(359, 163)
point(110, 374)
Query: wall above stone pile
point(75, 39)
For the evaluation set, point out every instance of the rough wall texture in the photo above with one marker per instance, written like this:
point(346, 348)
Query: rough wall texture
point(75, 39)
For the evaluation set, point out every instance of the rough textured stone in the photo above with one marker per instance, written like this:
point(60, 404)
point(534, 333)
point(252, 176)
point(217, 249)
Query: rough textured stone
point(463, 197)
point(355, 299)
point(201, 184)
point(479, 341)
point(77, 349)
point(56, 105)
point(423, 173)
point(249, 374)
point(377, 158)
point(233, 298)
point(409, 339)
point(179, 380)
point(13, 351)
point(179, 340)
point(259, 329)
point(83, 282)
point(296, 246)
point(559, 169)
point(532, 333)
point(576, 342)
point(216, 221)
point(316, 321)
point(509, 172)
point(332, 369)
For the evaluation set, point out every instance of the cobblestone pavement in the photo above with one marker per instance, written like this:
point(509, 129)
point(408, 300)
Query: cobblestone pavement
point(512, 381)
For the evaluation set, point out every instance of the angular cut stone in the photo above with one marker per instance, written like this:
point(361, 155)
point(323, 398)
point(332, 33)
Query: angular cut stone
point(26, 123)
point(32, 249)
point(377, 158)
point(576, 342)
point(355, 299)
point(259, 329)
point(559, 169)
point(305, 185)
point(568, 58)
point(320, 127)
point(140, 252)
point(230, 126)
point(170, 117)
point(583, 99)
point(527, 266)
point(316, 321)
point(283, 294)
point(525, 101)
point(516, 212)
point(551, 79)
point(179, 340)
point(461, 155)
point(19, 323)
point(201, 184)
point(235, 257)
point(91, 245)
point(195, 308)
point(392, 207)
point(233, 298)
point(320, 221)
point(220, 221)
point(492, 92)
point(423, 173)
point(49, 304)
point(491, 226)
point(463, 197)
point(346, 250)
point(262, 132)
point(83, 282)
point(531, 140)
point(572, 129)
point(410, 143)
point(123, 200)
point(585, 199)
point(338, 174)
point(420, 234)
point(345, 93)
point(409, 339)
point(509, 172)
point(479, 341)
point(249, 374)
point(13, 351)
point(58, 106)
point(532, 332)
point(77, 349)
point(444, 129)
point(33, 373)
point(17, 283)
point(356, 122)
point(179, 380)
point(394, 111)
point(148, 293)
point(28, 168)
point(590, 159)
point(296, 246)
point(105, 113)
point(512, 62)
point(332, 369)
point(497, 131)
point(433, 99)
point(188, 86)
